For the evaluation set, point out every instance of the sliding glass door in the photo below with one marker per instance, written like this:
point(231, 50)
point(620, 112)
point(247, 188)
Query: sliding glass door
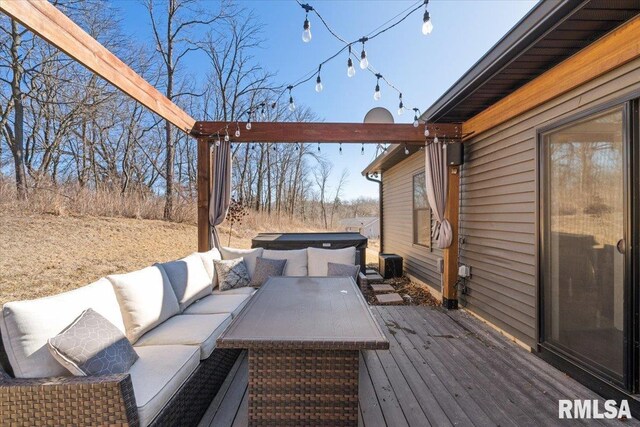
point(584, 267)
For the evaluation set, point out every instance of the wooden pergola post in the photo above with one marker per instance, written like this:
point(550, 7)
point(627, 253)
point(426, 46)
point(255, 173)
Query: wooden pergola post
point(450, 273)
point(204, 189)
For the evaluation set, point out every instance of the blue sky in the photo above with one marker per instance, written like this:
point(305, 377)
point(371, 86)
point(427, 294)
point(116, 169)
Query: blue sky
point(423, 67)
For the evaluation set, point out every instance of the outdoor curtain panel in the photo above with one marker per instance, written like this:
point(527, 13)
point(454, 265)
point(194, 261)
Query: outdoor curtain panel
point(437, 180)
point(220, 197)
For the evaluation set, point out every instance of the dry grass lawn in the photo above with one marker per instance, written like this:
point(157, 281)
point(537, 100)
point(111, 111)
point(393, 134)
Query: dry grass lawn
point(44, 254)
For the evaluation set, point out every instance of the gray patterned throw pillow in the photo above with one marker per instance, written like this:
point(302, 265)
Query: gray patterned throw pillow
point(342, 270)
point(92, 345)
point(232, 274)
point(265, 268)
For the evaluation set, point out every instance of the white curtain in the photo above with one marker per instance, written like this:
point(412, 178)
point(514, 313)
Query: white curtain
point(437, 182)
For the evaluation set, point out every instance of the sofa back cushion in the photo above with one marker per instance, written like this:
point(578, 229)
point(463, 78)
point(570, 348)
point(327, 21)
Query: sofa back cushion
point(296, 260)
point(249, 255)
point(146, 299)
point(189, 279)
point(27, 325)
point(320, 258)
point(207, 260)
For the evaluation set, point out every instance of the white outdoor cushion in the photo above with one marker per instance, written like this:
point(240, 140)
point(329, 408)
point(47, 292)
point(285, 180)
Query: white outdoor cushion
point(319, 258)
point(214, 304)
point(146, 299)
point(158, 374)
point(249, 256)
point(27, 325)
point(189, 279)
point(199, 330)
point(247, 290)
point(296, 260)
point(207, 260)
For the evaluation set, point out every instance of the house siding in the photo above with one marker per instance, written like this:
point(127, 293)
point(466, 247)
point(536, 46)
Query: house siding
point(498, 209)
point(397, 194)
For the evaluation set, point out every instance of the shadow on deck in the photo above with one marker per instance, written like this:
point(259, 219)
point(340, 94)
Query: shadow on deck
point(443, 368)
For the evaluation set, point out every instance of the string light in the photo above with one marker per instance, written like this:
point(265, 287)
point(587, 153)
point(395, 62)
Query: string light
point(237, 134)
point(362, 150)
point(218, 141)
point(364, 62)
point(306, 27)
point(416, 122)
point(377, 95)
point(340, 149)
point(406, 149)
point(262, 112)
point(319, 81)
point(426, 130)
point(427, 25)
point(226, 135)
point(400, 105)
point(351, 71)
point(292, 106)
point(435, 139)
point(318, 147)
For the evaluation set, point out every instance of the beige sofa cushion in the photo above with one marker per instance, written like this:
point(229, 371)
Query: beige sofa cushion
point(249, 255)
point(207, 260)
point(200, 330)
point(214, 304)
point(320, 258)
point(27, 325)
point(296, 260)
point(146, 299)
point(158, 374)
point(247, 290)
point(189, 279)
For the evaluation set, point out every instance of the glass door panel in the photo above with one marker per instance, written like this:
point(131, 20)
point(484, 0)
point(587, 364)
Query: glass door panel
point(583, 246)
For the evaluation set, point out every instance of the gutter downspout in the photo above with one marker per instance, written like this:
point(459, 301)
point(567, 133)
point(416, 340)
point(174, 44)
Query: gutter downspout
point(380, 208)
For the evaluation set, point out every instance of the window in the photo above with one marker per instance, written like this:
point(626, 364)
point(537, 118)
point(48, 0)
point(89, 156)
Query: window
point(421, 212)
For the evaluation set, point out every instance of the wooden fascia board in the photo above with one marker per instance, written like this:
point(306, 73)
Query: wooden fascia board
point(606, 54)
point(47, 22)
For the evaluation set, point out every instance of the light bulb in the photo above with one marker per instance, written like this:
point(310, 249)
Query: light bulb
point(416, 123)
point(226, 138)
point(292, 106)
point(427, 26)
point(426, 130)
point(400, 108)
point(377, 95)
point(435, 139)
point(318, 85)
point(364, 62)
point(237, 134)
point(248, 126)
point(406, 150)
point(306, 34)
point(351, 71)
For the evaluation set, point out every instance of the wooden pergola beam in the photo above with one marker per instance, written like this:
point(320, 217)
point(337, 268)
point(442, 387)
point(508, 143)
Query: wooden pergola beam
point(292, 132)
point(47, 22)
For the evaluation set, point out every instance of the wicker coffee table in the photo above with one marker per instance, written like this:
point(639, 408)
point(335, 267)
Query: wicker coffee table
point(304, 335)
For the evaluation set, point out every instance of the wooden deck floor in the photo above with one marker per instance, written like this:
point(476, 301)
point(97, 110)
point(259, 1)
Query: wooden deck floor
point(443, 368)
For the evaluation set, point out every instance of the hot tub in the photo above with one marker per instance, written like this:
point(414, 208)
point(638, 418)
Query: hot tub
point(285, 241)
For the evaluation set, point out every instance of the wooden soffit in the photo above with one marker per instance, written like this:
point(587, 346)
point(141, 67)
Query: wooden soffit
point(615, 49)
point(44, 20)
point(326, 132)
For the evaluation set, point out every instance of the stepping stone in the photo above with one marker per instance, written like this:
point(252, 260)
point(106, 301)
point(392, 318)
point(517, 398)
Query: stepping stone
point(382, 288)
point(370, 271)
point(374, 277)
point(389, 299)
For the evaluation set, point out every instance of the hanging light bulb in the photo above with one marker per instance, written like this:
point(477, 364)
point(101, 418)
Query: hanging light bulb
point(362, 150)
point(427, 26)
point(263, 115)
point(426, 130)
point(319, 81)
point(318, 147)
point(226, 136)
point(248, 126)
point(400, 106)
point(377, 95)
point(406, 150)
point(237, 134)
point(218, 141)
point(306, 27)
point(416, 122)
point(340, 149)
point(292, 106)
point(351, 71)
point(364, 62)
point(435, 139)
point(297, 146)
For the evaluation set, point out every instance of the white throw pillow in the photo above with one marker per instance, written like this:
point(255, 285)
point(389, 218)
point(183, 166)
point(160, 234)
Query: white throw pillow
point(249, 255)
point(296, 260)
point(207, 260)
point(320, 258)
point(189, 279)
point(27, 325)
point(146, 299)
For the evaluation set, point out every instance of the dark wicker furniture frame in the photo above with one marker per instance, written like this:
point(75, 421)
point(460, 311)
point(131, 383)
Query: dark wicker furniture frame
point(107, 400)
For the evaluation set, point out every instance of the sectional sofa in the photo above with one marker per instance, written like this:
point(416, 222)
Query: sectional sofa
point(172, 313)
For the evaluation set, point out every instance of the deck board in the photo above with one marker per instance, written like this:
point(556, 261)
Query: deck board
point(442, 368)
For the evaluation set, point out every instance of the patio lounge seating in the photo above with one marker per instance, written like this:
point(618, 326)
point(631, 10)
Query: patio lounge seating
point(172, 313)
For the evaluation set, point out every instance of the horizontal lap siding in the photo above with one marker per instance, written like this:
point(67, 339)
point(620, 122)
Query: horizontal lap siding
point(498, 205)
point(419, 261)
